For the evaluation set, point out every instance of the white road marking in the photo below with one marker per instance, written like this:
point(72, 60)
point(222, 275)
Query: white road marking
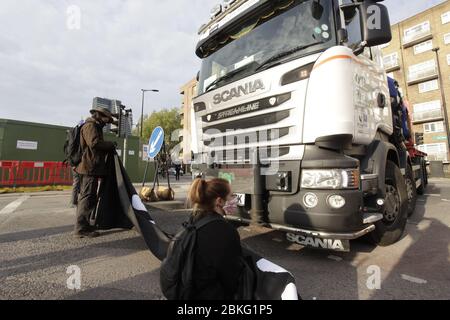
point(432, 194)
point(10, 208)
point(413, 279)
point(335, 258)
point(445, 200)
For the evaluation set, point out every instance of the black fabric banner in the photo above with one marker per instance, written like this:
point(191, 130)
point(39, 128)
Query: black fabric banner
point(121, 207)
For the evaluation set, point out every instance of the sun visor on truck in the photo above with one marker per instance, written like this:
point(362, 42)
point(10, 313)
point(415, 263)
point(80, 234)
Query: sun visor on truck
point(223, 34)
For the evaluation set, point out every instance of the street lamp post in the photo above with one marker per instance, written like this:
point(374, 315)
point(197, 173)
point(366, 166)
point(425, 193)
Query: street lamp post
point(142, 111)
point(444, 102)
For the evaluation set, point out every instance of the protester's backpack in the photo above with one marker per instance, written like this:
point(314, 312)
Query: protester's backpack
point(176, 273)
point(72, 146)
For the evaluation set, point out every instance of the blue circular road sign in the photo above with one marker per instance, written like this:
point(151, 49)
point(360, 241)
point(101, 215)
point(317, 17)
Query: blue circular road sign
point(155, 142)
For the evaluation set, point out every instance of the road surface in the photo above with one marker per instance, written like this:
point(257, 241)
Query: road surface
point(37, 250)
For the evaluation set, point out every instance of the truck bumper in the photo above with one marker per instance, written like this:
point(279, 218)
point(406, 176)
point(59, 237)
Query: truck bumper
point(285, 207)
point(311, 233)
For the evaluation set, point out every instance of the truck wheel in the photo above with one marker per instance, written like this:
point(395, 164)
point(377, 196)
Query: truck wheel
point(411, 190)
point(423, 177)
point(390, 229)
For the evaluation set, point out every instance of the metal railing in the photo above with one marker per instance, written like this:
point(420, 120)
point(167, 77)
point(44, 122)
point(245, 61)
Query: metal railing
point(410, 39)
point(34, 173)
point(427, 115)
point(423, 74)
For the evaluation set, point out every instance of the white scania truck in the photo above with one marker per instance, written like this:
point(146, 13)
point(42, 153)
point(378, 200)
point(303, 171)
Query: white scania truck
point(294, 109)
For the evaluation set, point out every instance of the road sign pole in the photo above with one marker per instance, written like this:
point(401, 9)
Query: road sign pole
point(145, 173)
point(167, 167)
point(125, 152)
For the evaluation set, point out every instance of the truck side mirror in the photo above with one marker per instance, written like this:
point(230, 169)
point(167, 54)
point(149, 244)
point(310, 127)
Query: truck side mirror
point(375, 23)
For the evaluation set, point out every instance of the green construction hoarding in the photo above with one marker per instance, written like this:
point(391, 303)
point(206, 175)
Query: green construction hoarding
point(28, 141)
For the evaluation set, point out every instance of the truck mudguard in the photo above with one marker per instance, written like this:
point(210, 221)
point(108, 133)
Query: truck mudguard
point(378, 152)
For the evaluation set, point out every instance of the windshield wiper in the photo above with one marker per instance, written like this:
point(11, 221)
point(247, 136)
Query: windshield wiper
point(286, 53)
point(228, 76)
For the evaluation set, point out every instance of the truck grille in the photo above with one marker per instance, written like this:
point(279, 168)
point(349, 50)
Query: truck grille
point(244, 155)
point(256, 121)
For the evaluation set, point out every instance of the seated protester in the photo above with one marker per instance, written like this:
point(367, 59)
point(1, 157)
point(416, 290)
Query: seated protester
point(218, 255)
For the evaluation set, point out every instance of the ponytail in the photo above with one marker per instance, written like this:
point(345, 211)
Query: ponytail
point(203, 194)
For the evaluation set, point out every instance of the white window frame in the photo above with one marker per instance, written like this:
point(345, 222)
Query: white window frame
point(445, 17)
point(433, 127)
point(428, 86)
point(448, 59)
point(447, 38)
point(390, 57)
point(423, 47)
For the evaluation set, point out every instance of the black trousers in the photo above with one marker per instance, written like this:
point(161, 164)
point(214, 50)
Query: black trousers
point(75, 188)
point(87, 201)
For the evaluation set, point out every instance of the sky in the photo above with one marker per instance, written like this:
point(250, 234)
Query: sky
point(57, 55)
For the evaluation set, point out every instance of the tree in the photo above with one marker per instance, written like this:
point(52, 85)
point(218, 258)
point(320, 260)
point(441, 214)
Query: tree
point(168, 119)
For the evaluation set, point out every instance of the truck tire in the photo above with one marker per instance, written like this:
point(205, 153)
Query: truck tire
point(423, 177)
point(390, 229)
point(411, 190)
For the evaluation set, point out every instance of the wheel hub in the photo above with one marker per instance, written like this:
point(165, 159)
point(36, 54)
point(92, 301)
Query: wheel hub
point(392, 204)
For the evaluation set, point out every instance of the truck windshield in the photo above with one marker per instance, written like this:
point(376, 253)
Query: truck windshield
point(289, 29)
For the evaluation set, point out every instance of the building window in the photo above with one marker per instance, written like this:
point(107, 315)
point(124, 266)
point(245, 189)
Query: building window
point(422, 70)
point(416, 32)
point(447, 38)
point(390, 60)
point(423, 47)
point(445, 17)
point(435, 151)
point(433, 127)
point(428, 86)
point(427, 111)
point(448, 59)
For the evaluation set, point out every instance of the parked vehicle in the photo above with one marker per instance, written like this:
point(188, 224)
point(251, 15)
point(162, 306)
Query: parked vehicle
point(173, 172)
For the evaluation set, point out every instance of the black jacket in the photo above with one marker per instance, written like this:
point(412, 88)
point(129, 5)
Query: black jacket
point(94, 149)
point(217, 261)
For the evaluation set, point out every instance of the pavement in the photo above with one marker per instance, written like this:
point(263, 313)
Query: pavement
point(39, 257)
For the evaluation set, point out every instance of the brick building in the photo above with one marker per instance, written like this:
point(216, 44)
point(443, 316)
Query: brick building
point(411, 59)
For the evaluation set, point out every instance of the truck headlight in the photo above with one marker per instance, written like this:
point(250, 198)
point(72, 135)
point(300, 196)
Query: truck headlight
point(330, 179)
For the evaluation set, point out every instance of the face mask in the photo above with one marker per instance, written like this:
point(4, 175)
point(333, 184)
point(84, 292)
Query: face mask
point(230, 206)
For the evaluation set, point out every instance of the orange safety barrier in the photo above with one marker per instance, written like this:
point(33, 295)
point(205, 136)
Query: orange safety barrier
point(34, 173)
